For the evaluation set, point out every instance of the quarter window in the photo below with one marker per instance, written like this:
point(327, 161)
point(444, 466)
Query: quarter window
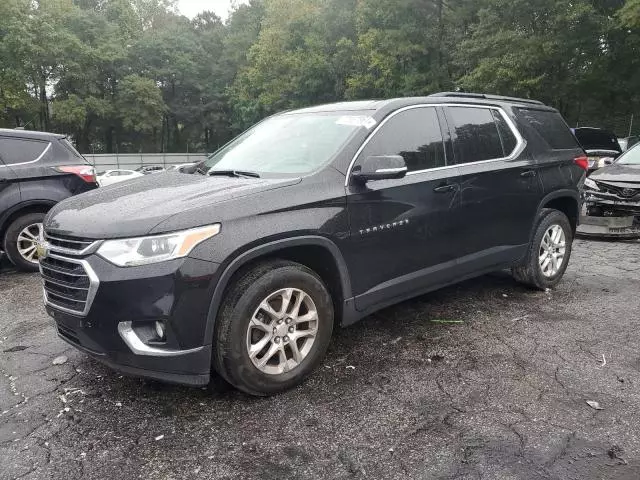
point(415, 135)
point(551, 128)
point(475, 133)
point(20, 150)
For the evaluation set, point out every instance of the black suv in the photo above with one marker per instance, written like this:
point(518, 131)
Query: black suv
point(37, 170)
point(312, 218)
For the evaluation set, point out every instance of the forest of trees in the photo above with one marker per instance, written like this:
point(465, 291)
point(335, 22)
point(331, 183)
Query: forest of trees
point(135, 76)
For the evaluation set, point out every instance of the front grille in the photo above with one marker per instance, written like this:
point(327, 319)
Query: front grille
point(69, 284)
point(70, 245)
point(626, 193)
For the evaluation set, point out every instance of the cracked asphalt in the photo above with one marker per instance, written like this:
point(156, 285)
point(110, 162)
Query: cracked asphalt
point(483, 380)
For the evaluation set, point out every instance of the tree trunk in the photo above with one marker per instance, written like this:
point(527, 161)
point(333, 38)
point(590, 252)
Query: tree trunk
point(108, 140)
point(162, 135)
point(44, 103)
point(440, 53)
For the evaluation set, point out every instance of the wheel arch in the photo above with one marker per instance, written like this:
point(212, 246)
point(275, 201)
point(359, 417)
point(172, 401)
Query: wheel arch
point(22, 208)
point(565, 201)
point(315, 252)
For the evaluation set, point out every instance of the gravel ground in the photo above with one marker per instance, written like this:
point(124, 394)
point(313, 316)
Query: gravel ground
point(481, 380)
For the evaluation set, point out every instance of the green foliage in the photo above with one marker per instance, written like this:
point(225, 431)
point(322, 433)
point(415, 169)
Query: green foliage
point(139, 106)
point(629, 14)
point(134, 75)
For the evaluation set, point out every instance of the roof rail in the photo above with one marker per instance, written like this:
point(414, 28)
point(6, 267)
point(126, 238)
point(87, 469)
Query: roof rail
point(487, 97)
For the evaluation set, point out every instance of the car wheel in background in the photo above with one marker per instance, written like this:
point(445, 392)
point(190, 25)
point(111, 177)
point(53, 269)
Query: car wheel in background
point(273, 328)
point(549, 251)
point(21, 241)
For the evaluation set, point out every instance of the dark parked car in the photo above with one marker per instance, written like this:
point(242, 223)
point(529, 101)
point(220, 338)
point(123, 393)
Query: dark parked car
point(313, 218)
point(147, 169)
point(37, 170)
point(602, 146)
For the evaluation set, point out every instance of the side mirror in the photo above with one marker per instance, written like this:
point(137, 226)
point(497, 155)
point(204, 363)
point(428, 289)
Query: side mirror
point(385, 167)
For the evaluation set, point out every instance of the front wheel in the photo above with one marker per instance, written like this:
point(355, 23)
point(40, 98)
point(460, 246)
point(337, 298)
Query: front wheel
point(273, 328)
point(549, 251)
point(21, 241)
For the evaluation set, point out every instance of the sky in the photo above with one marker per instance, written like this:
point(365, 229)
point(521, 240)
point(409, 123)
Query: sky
point(191, 8)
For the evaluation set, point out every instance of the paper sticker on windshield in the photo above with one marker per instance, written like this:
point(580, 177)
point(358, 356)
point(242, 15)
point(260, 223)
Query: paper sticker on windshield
point(357, 121)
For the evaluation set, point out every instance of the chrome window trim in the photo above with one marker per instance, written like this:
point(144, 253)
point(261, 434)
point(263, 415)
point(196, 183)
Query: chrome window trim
point(391, 170)
point(7, 165)
point(94, 283)
point(138, 347)
point(520, 141)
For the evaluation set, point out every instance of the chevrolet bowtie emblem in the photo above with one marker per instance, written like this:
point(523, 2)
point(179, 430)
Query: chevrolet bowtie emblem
point(42, 250)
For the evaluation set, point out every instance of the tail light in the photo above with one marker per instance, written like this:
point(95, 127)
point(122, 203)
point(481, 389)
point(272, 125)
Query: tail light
point(582, 162)
point(85, 172)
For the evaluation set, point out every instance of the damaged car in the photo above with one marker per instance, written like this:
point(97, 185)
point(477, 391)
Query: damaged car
point(612, 198)
point(601, 146)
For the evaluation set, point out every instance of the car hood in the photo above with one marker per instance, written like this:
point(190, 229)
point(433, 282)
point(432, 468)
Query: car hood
point(135, 207)
point(619, 174)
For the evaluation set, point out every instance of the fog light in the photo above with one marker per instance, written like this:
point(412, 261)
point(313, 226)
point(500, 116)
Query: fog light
point(160, 331)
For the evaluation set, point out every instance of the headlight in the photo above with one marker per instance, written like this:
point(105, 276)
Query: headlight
point(158, 248)
point(590, 184)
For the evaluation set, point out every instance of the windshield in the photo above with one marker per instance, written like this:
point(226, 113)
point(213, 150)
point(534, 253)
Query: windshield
point(288, 144)
point(630, 157)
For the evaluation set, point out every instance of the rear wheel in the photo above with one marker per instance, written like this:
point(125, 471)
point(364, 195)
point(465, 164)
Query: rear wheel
point(21, 241)
point(549, 251)
point(273, 328)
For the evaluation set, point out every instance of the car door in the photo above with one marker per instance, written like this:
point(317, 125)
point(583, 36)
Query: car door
point(9, 188)
point(400, 229)
point(499, 187)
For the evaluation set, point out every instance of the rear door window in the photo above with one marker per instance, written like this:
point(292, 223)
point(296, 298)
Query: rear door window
point(475, 134)
point(415, 135)
point(551, 128)
point(21, 150)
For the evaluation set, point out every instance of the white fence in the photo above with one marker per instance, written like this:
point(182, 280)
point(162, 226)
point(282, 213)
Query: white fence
point(131, 161)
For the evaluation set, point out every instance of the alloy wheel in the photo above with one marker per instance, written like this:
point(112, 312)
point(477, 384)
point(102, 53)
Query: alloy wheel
point(552, 251)
point(28, 240)
point(282, 331)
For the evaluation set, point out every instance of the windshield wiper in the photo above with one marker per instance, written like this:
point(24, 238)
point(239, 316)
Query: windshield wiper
point(233, 173)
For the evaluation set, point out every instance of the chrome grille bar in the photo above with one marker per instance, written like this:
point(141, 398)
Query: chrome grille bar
point(72, 279)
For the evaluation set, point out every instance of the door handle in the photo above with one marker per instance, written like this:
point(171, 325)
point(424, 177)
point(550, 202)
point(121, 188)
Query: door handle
point(444, 189)
point(528, 173)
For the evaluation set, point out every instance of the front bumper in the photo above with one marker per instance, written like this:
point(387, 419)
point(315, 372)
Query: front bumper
point(613, 204)
point(609, 227)
point(177, 293)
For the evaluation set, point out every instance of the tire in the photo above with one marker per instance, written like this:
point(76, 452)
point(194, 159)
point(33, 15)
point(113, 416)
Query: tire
point(531, 273)
point(11, 240)
point(233, 337)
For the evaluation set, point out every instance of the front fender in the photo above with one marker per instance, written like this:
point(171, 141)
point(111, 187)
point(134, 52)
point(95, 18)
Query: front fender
point(266, 250)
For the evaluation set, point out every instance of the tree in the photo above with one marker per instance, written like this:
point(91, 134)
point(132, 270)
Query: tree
point(298, 58)
point(16, 101)
point(135, 75)
point(401, 49)
point(629, 14)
